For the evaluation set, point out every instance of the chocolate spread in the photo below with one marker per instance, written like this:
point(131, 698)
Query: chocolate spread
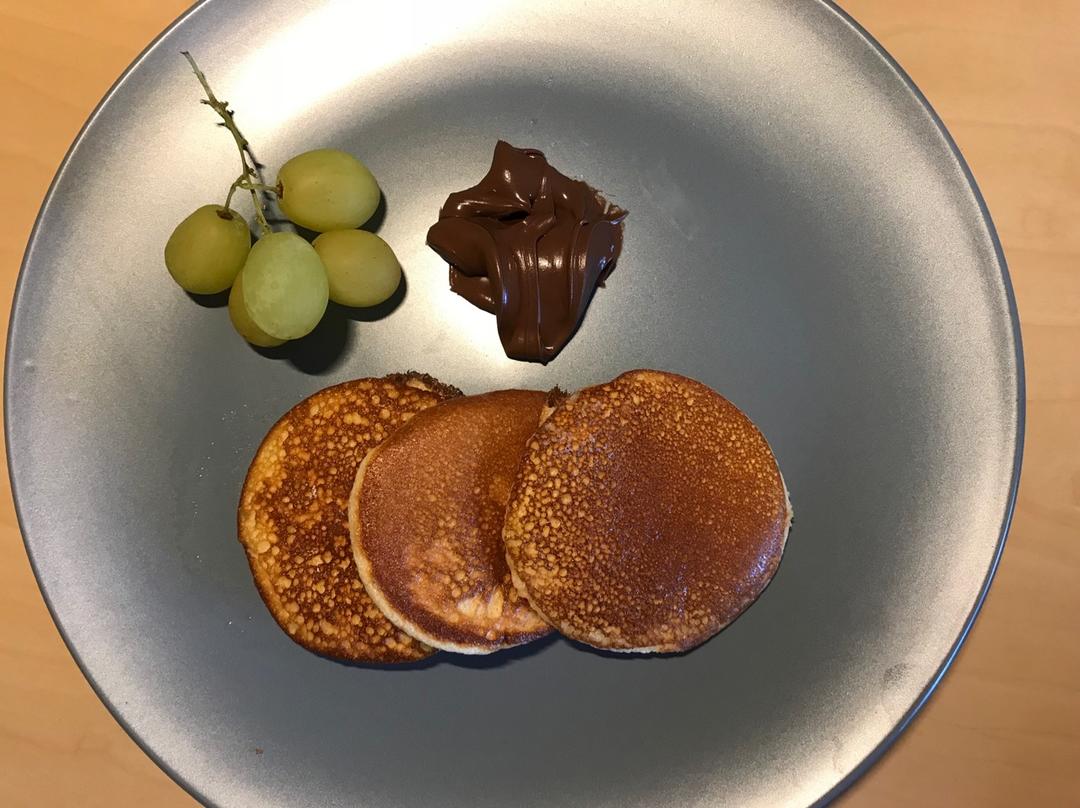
point(530, 245)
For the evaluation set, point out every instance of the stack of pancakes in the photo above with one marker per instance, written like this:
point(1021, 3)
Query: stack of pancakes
point(386, 518)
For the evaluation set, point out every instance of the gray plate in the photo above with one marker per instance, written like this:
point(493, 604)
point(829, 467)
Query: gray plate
point(803, 237)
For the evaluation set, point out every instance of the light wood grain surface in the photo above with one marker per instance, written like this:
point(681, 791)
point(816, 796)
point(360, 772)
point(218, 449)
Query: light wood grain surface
point(1002, 730)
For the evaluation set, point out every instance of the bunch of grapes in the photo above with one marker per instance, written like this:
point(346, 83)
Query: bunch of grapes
point(280, 286)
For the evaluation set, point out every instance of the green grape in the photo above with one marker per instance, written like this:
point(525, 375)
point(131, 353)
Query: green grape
point(285, 286)
point(242, 321)
point(360, 266)
point(327, 189)
point(207, 249)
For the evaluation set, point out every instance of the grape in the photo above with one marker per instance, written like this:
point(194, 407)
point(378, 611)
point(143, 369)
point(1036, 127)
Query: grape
point(285, 287)
point(242, 321)
point(207, 249)
point(360, 266)
point(327, 189)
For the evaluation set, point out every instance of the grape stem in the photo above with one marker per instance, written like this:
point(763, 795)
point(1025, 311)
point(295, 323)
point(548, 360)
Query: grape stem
point(243, 182)
point(237, 183)
point(249, 178)
point(259, 186)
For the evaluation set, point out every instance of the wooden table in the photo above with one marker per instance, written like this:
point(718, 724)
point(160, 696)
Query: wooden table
point(1004, 727)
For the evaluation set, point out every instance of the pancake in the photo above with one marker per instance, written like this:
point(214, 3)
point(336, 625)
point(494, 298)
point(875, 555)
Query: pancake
point(293, 515)
point(648, 513)
point(426, 518)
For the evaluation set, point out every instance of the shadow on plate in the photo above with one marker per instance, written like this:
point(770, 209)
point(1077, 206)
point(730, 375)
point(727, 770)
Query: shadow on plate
point(503, 658)
point(323, 349)
point(588, 649)
point(476, 662)
point(216, 301)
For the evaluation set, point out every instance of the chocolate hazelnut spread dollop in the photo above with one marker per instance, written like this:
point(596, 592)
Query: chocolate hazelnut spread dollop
point(530, 245)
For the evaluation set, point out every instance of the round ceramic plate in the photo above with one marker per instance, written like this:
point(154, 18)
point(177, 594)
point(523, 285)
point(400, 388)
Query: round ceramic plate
point(803, 237)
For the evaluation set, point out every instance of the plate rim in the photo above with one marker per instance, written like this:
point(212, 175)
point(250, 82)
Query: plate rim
point(886, 743)
point(879, 750)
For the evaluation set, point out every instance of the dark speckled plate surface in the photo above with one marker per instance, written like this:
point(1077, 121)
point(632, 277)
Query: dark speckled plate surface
point(802, 236)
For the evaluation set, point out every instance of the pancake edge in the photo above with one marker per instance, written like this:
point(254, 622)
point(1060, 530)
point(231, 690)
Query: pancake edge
point(363, 565)
point(523, 590)
point(265, 587)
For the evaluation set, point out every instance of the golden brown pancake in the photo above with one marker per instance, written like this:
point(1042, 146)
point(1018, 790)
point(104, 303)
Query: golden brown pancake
point(647, 514)
point(293, 515)
point(426, 517)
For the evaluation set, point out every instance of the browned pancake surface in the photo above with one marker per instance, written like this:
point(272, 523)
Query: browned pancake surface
point(427, 515)
point(647, 514)
point(293, 515)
